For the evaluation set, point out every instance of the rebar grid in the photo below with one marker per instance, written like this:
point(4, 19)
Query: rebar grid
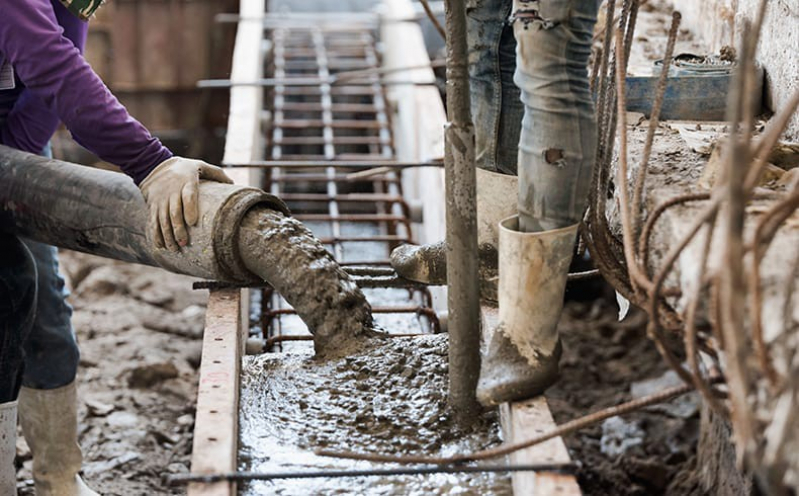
point(359, 219)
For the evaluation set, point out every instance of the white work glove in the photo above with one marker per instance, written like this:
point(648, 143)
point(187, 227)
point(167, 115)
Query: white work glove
point(171, 191)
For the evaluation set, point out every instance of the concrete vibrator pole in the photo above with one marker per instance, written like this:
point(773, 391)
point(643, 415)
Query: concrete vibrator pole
point(463, 299)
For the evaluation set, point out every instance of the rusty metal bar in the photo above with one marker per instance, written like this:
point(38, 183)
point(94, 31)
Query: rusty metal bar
point(341, 164)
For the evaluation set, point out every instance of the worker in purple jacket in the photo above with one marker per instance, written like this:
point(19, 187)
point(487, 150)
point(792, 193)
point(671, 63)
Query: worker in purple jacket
point(44, 79)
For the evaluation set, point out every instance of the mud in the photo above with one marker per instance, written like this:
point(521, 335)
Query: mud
point(288, 256)
point(602, 361)
point(390, 399)
point(139, 330)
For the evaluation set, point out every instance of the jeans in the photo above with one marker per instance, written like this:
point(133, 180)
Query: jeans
point(51, 351)
point(43, 333)
point(496, 107)
point(17, 311)
point(558, 139)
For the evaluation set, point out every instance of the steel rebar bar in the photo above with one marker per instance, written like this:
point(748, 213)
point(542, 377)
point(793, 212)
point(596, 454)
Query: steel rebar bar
point(183, 479)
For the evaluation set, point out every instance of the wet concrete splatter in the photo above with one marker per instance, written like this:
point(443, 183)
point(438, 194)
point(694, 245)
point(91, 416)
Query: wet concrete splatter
point(388, 399)
point(287, 255)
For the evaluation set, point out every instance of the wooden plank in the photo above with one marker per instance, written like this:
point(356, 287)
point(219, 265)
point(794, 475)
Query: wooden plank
point(523, 420)
point(244, 142)
point(215, 446)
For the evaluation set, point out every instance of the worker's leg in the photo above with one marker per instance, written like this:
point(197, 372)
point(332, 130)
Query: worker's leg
point(48, 399)
point(556, 154)
point(496, 107)
point(497, 113)
point(51, 352)
point(558, 141)
point(17, 310)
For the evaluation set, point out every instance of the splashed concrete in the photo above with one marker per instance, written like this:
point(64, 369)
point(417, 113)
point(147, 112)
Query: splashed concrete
point(288, 256)
point(387, 399)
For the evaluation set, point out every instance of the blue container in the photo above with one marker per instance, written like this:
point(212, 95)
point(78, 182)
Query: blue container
point(695, 91)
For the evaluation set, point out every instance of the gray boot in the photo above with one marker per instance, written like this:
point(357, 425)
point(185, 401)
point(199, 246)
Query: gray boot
point(496, 199)
point(8, 448)
point(524, 350)
point(49, 421)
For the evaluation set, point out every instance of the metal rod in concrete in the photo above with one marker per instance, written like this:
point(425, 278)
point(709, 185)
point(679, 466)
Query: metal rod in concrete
point(462, 282)
point(176, 480)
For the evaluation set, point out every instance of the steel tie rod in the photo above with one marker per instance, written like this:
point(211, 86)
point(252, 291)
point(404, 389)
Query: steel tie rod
point(184, 479)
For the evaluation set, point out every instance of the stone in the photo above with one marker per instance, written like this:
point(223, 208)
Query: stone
point(147, 376)
point(618, 436)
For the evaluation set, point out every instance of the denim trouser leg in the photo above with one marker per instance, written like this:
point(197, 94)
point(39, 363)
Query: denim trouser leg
point(17, 311)
point(496, 107)
point(557, 145)
point(51, 352)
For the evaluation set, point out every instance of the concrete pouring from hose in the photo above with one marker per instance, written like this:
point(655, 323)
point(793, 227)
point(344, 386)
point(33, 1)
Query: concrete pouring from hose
point(103, 213)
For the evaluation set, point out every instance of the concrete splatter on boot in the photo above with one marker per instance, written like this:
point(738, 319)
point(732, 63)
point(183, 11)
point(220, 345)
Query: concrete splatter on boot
point(524, 351)
point(8, 447)
point(49, 421)
point(496, 199)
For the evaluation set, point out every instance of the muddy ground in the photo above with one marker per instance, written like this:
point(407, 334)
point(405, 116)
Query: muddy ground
point(139, 330)
point(605, 361)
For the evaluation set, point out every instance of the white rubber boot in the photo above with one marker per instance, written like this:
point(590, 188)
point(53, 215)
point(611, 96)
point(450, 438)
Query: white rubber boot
point(8, 448)
point(523, 354)
point(49, 421)
point(496, 199)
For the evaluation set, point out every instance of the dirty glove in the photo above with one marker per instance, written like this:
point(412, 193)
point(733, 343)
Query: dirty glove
point(171, 191)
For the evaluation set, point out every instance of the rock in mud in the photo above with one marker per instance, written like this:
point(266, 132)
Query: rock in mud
point(147, 376)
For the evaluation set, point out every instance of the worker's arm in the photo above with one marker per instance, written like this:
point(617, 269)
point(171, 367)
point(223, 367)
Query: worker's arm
point(33, 122)
point(53, 69)
point(55, 72)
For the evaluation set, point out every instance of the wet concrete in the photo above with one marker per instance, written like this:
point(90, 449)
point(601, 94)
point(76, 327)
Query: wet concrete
point(288, 256)
point(387, 399)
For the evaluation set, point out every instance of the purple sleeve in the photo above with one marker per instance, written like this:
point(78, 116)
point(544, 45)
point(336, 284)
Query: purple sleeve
point(60, 85)
point(34, 123)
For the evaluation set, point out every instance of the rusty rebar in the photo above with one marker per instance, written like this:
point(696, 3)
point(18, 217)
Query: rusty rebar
point(433, 19)
point(654, 120)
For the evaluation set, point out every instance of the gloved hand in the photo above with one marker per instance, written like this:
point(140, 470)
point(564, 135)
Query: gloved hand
point(171, 191)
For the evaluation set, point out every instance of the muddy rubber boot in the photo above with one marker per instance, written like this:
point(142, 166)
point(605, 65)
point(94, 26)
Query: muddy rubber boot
point(8, 448)
point(523, 354)
point(496, 199)
point(49, 421)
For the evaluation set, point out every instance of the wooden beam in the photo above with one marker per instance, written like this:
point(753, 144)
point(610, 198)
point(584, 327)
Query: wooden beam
point(244, 140)
point(523, 420)
point(215, 446)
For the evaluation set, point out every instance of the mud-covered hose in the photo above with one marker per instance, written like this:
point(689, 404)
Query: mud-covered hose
point(103, 213)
